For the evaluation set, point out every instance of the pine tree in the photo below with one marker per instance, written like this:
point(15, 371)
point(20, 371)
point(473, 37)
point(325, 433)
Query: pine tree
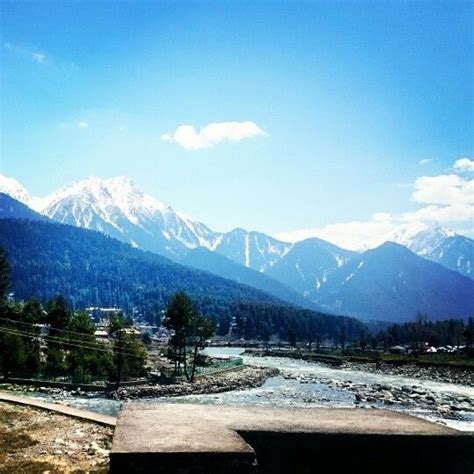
point(179, 315)
point(58, 313)
point(129, 355)
point(13, 355)
point(58, 317)
point(201, 329)
point(81, 358)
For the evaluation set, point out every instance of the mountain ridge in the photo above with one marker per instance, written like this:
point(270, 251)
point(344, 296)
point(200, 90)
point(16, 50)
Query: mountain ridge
point(391, 282)
point(117, 207)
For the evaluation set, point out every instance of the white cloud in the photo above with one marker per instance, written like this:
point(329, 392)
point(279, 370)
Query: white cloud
point(446, 189)
point(36, 56)
point(82, 124)
point(464, 164)
point(446, 199)
point(381, 217)
point(212, 134)
point(443, 214)
point(424, 162)
point(354, 235)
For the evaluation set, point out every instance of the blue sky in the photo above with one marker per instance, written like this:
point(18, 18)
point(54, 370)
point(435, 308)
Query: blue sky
point(349, 99)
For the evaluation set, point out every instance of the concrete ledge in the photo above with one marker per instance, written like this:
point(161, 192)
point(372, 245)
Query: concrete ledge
point(58, 408)
point(186, 438)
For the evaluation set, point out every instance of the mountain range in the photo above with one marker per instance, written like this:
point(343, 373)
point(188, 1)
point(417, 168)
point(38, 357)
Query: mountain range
point(309, 272)
point(93, 269)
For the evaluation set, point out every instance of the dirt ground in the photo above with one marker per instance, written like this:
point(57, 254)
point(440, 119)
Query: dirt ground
point(37, 441)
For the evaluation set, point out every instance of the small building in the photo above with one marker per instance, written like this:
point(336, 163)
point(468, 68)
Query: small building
point(133, 332)
point(101, 334)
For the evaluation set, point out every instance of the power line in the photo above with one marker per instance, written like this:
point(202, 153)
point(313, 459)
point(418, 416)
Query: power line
point(84, 345)
point(60, 339)
point(16, 332)
point(35, 325)
point(56, 338)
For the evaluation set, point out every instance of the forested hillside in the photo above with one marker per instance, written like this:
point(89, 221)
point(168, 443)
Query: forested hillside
point(91, 269)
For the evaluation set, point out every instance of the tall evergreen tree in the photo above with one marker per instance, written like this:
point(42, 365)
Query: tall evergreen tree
point(58, 317)
point(178, 317)
point(201, 329)
point(12, 355)
point(129, 354)
point(82, 359)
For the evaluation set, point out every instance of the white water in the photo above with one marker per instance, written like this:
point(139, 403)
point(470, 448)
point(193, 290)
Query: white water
point(279, 391)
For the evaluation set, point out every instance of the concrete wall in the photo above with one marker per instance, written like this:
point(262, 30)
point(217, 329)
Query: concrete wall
point(198, 439)
point(358, 453)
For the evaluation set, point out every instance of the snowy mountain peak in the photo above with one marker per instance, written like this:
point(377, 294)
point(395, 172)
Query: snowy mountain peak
point(421, 238)
point(117, 207)
point(405, 233)
point(14, 189)
point(119, 192)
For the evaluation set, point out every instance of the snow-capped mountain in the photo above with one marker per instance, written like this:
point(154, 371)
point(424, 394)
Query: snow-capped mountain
point(438, 244)
point(204, 259)
point(392, 283)
point(251, 249)
point(308, 264)
point(456, 253)
point(420, 238)
point(200, 258)
point(11, 187)
point(118, 208)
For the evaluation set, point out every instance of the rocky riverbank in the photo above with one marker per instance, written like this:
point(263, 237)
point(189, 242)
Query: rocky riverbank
point(445, 374)
point(245, 378)
point(423, 371)
point(33, 440)
point(446, 405)
point(54, 392)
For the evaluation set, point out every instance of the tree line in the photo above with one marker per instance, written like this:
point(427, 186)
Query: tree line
point(266, 322)
point(452, 332)
point(52, 341)
point(91, 269)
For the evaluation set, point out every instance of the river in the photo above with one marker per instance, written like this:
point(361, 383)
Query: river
point(296, 387)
